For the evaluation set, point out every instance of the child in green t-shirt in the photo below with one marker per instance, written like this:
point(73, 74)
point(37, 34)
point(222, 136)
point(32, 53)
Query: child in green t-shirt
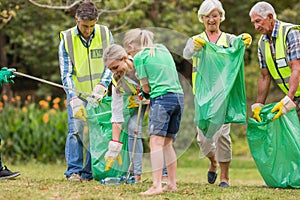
point(157, 73)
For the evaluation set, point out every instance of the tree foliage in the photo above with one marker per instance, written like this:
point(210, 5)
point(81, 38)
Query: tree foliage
point(29, 32)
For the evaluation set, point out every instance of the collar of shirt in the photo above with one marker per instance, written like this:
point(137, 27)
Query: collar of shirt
point(84, 42)
point(274, 32)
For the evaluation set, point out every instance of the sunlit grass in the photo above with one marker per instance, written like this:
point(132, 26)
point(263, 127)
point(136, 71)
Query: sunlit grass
point(47, 181)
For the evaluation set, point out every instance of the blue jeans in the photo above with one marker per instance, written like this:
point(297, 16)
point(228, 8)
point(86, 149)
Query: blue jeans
point(74, 149)
point(165, 115)
point(139, 150)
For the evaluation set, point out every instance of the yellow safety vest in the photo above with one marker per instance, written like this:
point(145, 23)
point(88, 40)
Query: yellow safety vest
point(224, 41)
point(279, 70)
point(87, 61)
point(131, 87)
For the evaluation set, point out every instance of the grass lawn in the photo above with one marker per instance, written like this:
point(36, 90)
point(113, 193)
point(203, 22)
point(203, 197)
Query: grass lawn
point(46, 181)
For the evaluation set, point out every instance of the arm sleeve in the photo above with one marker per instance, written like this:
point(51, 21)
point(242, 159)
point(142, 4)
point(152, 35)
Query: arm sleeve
point(116, 106)
point(293, 44)
point(107, 74)
point(66, 69)
point(139, 66)
point(188, 50)
point(262, 61)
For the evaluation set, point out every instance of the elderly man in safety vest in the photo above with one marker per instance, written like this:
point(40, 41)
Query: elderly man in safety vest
point(82, 68)
point(279, 56)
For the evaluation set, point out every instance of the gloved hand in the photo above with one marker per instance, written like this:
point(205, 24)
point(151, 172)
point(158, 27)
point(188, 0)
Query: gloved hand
point(78, 108)
point(113, 153)
point(134, 101)
point(6, 75)
point(142, 94)
point(256, 108)
point(247, 39)
point(283, 106)
point(99, 92)
point(198, 43)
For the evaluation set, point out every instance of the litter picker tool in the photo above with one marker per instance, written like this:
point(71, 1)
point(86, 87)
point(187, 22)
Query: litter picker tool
point(88, 97)
point(136, 131)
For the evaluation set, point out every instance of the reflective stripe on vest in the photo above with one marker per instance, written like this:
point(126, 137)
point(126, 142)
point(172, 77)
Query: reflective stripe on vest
point(279, 70)
point(87, 61)
point(129, 85)
point(224, 40)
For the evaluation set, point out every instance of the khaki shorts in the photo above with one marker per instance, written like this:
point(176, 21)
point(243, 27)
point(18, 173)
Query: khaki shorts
point(220, 144)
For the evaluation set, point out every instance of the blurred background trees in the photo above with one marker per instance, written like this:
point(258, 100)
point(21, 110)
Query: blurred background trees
point(29, 31)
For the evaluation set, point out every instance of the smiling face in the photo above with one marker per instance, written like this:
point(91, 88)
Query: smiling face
point(263, 25)
point(118, 66)
point(212, 21)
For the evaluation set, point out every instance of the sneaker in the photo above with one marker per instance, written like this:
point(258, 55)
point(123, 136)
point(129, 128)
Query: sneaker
point(5, 173)
point(74, 177)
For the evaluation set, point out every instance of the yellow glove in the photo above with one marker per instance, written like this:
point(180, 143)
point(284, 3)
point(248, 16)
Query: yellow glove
point(247, 39)
point(133, 101)
point(113, 154)
point(198, 43)
point(78, 108)
point(283, 106)
point(110, 162)
point(256, 108)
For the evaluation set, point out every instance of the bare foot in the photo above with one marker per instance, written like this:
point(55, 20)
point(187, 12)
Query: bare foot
point(169, 188)
point(153, 190)
point(138, 178)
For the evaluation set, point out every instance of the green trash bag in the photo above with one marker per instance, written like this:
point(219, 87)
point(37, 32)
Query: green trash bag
point(220, 95)
point(275, 147)
point(100, 133)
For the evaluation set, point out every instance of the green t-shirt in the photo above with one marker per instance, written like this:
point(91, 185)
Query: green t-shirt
point(160, 70)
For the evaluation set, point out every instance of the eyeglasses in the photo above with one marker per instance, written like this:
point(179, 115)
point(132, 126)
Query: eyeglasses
point(214, 16)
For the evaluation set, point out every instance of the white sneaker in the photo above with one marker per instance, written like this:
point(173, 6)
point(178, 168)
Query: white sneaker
point(74, 177)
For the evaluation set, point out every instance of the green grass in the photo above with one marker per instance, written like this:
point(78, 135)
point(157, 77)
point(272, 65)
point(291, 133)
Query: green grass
point(47, 181)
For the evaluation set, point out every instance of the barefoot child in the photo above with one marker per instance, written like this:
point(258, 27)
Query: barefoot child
point(156, 70)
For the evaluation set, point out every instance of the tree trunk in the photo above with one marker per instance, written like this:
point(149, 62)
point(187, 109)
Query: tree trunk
point(6, 90)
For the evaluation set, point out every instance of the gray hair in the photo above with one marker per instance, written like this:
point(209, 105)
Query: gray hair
point(87, 11)
point(113, 52)
point(263, 9)
point(207, 6)
point(137, 39)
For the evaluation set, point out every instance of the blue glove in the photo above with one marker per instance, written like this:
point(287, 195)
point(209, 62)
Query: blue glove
point(6, 75)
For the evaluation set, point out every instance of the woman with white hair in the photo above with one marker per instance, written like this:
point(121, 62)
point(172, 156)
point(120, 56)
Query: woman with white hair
point(218, 150)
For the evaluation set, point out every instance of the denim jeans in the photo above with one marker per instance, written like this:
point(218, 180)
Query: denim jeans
point(165, 115)
point(138, 154)
point(74, 149)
